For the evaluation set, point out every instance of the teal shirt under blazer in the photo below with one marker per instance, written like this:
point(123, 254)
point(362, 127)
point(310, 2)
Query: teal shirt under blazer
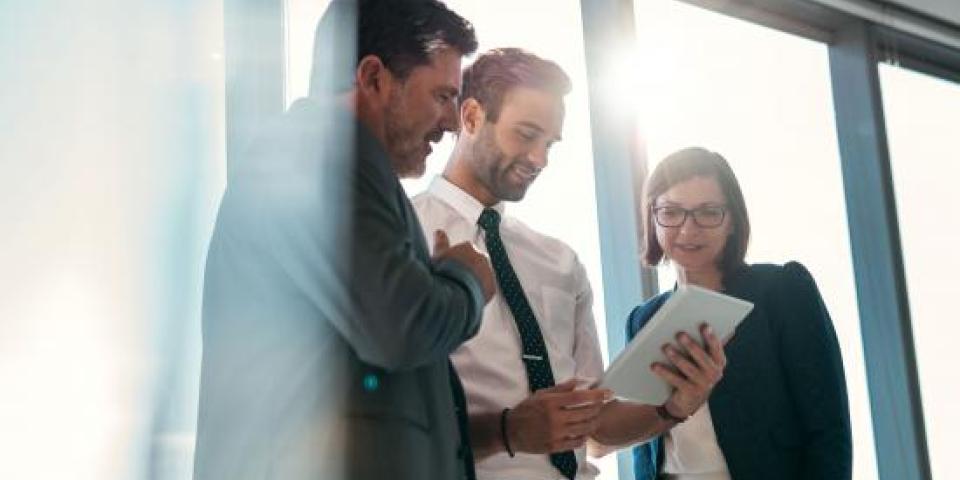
point(781, 410)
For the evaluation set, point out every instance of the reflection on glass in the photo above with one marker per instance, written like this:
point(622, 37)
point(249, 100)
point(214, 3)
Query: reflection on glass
point(923, 114)
point(111, 168)
point(762, 99)
point(299, 26)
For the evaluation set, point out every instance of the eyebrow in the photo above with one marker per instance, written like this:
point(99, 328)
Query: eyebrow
point(535, 126)
point(669, 203)
point(449, 90)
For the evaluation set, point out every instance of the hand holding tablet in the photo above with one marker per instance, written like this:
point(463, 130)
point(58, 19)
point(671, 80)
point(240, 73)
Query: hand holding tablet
point(630, 376)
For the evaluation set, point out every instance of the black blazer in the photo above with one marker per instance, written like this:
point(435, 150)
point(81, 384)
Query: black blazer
point(781, 409)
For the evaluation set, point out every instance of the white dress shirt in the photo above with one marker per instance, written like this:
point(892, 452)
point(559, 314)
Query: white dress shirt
point(489, 364)
point(691, 451)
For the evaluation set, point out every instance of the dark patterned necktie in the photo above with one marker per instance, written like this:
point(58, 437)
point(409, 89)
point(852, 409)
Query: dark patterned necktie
point(535, 357)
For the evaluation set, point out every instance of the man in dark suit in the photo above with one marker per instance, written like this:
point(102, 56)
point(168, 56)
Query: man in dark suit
point(327, 325)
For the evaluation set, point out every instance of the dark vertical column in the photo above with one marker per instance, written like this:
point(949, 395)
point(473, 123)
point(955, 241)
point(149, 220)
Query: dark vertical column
point(877, 258)
point(608, 28)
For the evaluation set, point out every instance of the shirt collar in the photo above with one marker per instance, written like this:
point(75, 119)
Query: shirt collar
point(462, 202)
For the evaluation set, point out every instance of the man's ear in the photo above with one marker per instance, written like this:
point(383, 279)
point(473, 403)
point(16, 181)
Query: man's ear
point(472, 116)
point(373, 78)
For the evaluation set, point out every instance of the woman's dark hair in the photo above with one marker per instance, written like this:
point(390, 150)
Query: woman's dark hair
point(679, 167)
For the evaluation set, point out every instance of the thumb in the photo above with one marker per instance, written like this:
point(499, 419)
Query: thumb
point(441, 242)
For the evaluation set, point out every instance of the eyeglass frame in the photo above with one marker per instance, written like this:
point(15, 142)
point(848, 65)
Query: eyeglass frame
point(689, 213)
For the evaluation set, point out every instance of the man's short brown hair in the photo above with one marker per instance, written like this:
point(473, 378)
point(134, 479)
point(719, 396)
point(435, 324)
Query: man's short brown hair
point(495, 72)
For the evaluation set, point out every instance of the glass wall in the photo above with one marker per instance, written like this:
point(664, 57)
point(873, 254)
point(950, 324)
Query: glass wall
point(923, 121)
point(111, 167)
point(762, 99)
point(300, 23)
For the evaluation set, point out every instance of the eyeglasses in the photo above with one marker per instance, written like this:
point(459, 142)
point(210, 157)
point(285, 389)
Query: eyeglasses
point(709, 216)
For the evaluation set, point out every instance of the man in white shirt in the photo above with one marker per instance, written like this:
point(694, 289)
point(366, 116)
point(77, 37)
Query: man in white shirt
point(538, 332)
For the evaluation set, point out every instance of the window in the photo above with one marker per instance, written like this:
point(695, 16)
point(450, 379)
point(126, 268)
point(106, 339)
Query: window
point(300, 23)
point(562, 202)
point(922, 115)
point(762, 99)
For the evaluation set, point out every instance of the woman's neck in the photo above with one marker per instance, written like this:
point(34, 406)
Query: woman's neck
point(708, 278)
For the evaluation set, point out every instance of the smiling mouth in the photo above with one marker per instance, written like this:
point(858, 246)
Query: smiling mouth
point(525, 173)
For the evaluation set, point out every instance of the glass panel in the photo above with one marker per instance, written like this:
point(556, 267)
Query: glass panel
point(923, 115)
point(762, 99)
point(300, 23)
point(111, 169)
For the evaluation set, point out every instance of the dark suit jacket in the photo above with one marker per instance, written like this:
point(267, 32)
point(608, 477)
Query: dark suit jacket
point(781, 409)
point(326, 326)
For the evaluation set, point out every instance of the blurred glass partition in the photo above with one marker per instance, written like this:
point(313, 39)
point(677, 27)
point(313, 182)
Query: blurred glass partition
point(111, 167)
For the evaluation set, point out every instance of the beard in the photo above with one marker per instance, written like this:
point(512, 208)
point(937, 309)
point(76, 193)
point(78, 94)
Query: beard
point(404, 145)
point(491, 167)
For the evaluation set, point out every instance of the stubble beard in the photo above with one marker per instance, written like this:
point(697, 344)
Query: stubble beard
point(403, 148)
point(490, 167)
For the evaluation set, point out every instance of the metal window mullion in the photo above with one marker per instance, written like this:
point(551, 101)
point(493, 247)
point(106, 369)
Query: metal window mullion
point(608, 26)
point(877, 259)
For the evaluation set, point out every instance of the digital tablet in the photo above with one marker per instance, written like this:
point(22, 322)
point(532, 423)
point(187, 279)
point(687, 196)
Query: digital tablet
point(630, 377)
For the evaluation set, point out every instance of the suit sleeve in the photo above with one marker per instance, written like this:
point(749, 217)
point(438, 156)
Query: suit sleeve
point(631, 327)
point(642, 313)
point(814, 373)
point(408, 311)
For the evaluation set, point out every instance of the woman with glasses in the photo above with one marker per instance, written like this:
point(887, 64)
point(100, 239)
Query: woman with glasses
point(780, 411)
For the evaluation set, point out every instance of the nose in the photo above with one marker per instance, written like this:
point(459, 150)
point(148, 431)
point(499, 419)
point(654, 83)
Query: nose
point(450, 118)
point(688, 226)
point(538, 156)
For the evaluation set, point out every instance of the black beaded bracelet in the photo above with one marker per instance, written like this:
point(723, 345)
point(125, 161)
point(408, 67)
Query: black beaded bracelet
point(503, 432)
